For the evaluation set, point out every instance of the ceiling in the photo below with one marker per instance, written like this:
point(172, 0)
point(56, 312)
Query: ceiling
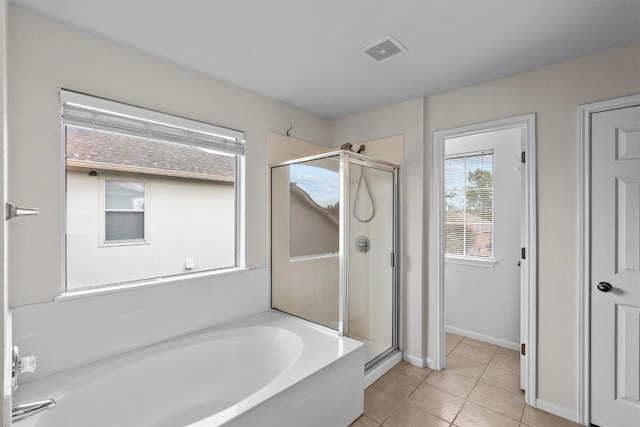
point(306, 52)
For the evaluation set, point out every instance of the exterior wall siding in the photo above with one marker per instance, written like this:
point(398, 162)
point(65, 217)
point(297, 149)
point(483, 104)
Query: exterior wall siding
point(184, 219)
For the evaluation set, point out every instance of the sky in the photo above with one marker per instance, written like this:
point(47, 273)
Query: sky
point(322, 185)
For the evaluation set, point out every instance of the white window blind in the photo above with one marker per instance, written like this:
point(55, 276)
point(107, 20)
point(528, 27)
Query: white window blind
point(95, 113)
point(469, 205)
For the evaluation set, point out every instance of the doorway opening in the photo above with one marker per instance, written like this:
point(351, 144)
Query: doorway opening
point(466, 237)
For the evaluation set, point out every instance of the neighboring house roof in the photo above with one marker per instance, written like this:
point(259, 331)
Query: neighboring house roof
point(88, 148)
point(481, 225)
point(330, 214)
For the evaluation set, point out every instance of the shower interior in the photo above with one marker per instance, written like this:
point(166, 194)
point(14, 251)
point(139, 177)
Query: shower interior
point(334, 229)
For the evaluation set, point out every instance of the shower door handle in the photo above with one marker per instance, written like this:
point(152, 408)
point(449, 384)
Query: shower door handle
point(12, 211)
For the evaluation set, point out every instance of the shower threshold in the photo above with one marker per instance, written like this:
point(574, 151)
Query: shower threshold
point(372, 349)
point(381, 365)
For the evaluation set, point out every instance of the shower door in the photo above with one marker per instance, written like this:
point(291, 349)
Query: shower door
point(370, 250)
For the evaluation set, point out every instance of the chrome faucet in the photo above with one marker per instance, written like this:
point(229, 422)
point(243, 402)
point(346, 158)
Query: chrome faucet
point(21, 365)
point(20, 412)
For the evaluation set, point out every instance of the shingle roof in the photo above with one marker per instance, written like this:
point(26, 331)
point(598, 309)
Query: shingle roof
point(111, 151)
point(481, 225)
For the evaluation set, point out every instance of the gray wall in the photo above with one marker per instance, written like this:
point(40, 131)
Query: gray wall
point(553, 93)
point(46, 56)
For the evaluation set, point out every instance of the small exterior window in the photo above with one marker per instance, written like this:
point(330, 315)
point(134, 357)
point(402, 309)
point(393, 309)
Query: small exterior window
point(469, 205)
point(124, 210)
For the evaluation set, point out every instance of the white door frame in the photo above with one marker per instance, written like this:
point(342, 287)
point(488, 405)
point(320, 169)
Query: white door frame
point(584, 271)
point(529, 298)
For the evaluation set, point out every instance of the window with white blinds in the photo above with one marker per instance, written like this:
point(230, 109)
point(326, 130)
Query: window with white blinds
point(124, 210)
point(149, 195)
point(469, 205)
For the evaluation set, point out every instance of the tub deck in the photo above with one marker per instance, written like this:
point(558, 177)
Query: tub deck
point(270, 369)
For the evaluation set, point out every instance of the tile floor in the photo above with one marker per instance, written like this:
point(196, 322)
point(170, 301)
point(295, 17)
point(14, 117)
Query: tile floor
point(480, 387)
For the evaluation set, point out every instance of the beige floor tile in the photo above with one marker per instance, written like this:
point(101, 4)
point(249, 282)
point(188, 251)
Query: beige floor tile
point(465, 366)
point(378, 405)
point(408, 415)
point(450, 345)
point(476, 354)
point(479, 344)
point(473, 415)
point(509, 352)
point(452, 382)
point(506, 363)
point(502, 379)
point(538, 418)
point(453, 337)
point(435, 401)
point(487, 376)
point(364, 421)
point(498, 400)
point(410, 370)
point(397, 385)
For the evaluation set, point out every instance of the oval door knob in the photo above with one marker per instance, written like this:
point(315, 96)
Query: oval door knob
point(604, 287)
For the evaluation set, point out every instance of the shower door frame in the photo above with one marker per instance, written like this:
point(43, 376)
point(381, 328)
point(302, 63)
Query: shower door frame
point(345, 159)
point(348, 158)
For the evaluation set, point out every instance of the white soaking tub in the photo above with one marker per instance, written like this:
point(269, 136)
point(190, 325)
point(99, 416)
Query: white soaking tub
point(269, 369)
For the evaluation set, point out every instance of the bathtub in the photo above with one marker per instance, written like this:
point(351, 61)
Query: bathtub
point(269, 369)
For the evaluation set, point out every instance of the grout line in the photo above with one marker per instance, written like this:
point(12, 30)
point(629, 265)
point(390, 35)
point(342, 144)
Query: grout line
point(465, 400)
point(459, 411)
point(523, 409)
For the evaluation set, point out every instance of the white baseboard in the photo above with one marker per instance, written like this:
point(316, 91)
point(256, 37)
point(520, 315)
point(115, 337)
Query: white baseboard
point(485, 338)
point(415, 361)
point(418, 361)
point(556, 410)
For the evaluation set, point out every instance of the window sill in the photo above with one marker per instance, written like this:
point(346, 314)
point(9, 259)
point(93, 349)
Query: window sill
point(473, 262)
point(124, 242)
point(144, 284)
point(312, 257)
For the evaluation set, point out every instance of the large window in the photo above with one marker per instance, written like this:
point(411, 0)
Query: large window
point(469, 205)
point(149, 195)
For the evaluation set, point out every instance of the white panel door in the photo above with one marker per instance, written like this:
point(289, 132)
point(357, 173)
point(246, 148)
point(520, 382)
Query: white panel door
point(615, 268)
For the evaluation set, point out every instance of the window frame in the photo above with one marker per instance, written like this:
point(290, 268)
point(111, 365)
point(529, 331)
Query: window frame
point(464, 258)
point(103, 242)
point(236, 138)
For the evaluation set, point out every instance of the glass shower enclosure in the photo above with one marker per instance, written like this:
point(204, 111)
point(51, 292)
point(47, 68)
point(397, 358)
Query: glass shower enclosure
point(334, 246)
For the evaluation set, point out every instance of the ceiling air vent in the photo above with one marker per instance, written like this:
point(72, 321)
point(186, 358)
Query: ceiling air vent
point(384, 49)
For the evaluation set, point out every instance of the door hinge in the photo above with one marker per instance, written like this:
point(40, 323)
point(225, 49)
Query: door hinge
point(523, 157)
point(523, 253)
point(523, 349)
point(393, 259)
